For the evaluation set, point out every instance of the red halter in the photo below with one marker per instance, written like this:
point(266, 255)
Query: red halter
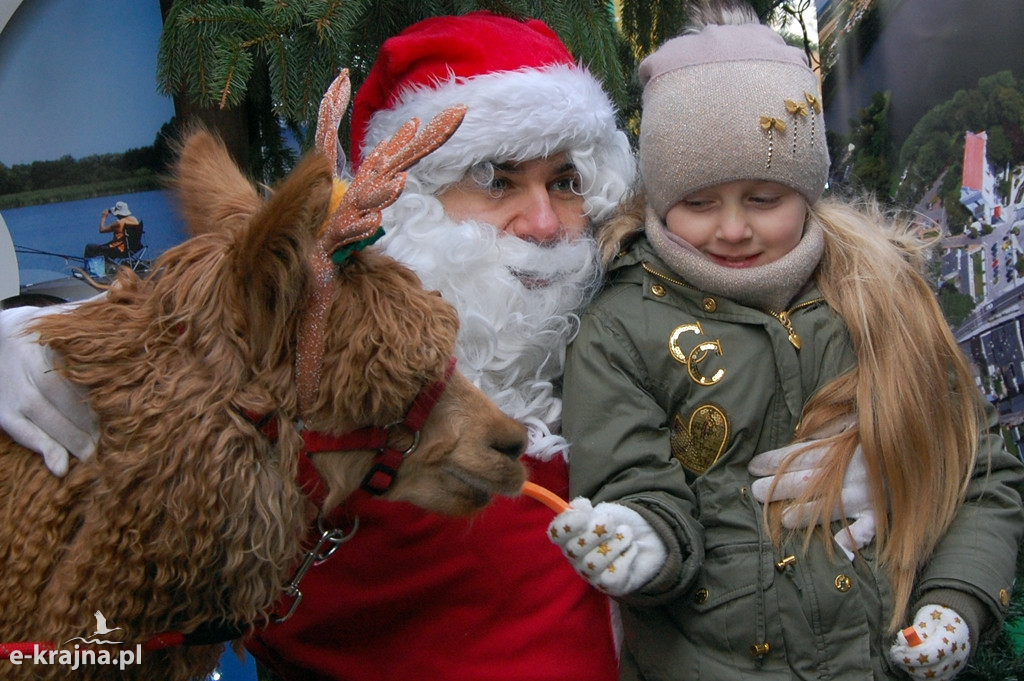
point(382, 475)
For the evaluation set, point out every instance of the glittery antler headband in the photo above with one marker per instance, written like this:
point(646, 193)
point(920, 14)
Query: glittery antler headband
point(355, 217)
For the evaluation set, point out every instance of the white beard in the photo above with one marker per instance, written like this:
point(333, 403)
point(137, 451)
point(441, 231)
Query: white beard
point(512, 338)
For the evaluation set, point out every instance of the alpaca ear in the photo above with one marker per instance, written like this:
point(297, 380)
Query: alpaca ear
point(213, 194)
point(270, 257)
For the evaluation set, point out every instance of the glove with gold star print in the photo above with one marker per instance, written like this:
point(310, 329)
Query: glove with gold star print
point(935, 647)
point(609, 545)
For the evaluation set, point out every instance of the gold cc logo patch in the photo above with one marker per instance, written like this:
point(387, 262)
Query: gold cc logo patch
point(692, 359)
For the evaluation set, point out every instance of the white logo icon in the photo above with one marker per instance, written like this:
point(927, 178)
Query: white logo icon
point(101, 630)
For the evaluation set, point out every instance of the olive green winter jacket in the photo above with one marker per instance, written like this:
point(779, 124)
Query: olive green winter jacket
point(669, 392)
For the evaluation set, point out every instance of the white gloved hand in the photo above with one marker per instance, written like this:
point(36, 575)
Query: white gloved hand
point(945, 645)
point(609, 545)
point(39, 409)
point(855, 497)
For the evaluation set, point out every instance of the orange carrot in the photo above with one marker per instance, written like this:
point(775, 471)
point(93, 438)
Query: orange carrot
point(910, 633)
point(545, 496)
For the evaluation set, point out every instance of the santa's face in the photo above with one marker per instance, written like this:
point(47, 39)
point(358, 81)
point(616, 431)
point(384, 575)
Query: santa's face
point(517, 298)
point(538, 200)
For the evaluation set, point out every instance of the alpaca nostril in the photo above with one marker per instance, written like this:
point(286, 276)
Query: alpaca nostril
point(512, 450)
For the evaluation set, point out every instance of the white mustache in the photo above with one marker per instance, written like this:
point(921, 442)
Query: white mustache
point(539, 265)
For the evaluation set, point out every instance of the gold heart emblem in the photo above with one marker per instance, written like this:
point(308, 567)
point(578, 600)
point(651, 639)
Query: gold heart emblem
point(699, 444)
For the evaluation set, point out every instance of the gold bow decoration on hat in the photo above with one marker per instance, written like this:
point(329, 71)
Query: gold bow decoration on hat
point(815, 104)
point(796, 108)
point(769, 122)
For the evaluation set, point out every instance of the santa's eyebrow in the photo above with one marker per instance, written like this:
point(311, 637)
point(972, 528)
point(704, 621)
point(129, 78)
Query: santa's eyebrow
point(516, 167)
point(507, 167)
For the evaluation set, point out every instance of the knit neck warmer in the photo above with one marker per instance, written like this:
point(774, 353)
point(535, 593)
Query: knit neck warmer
point(772, 286)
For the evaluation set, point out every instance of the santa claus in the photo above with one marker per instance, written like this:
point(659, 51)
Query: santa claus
point(499, 220)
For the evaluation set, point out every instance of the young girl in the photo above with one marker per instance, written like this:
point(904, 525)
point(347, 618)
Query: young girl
point(744, 310)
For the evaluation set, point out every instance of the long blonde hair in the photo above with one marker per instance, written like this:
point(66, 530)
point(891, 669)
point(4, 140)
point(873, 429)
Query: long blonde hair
point(912, 391)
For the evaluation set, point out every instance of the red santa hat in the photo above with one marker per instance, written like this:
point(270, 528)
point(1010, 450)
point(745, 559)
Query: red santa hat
point(526, 96)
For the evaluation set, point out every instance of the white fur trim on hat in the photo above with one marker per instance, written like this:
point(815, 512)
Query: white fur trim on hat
point(519, 116)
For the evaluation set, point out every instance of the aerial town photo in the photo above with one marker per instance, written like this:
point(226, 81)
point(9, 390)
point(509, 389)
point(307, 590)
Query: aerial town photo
point(986, 264)
point(924, 112)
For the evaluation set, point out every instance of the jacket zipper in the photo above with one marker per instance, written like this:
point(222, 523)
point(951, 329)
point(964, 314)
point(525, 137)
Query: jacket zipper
point(782, 317)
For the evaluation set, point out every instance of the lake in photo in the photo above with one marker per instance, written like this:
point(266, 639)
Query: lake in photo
point(50, 239)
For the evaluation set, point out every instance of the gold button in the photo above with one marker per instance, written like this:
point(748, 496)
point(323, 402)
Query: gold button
point(759, 649)
point(658, 290)
point(844, 583)
point(785, 563)
point(701, 596)
point(710, 304)
point(1004, 597)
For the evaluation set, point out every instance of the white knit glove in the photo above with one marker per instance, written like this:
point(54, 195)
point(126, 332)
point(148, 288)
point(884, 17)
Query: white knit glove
point(39, 409)
point(944, 646)
point(609, 545)
point(856, 496)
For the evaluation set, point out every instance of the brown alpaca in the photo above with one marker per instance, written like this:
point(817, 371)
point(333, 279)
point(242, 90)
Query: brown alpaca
point(187, 514)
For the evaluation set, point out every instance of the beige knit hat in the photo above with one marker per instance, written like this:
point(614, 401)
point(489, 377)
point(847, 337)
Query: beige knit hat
point(730, 102)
